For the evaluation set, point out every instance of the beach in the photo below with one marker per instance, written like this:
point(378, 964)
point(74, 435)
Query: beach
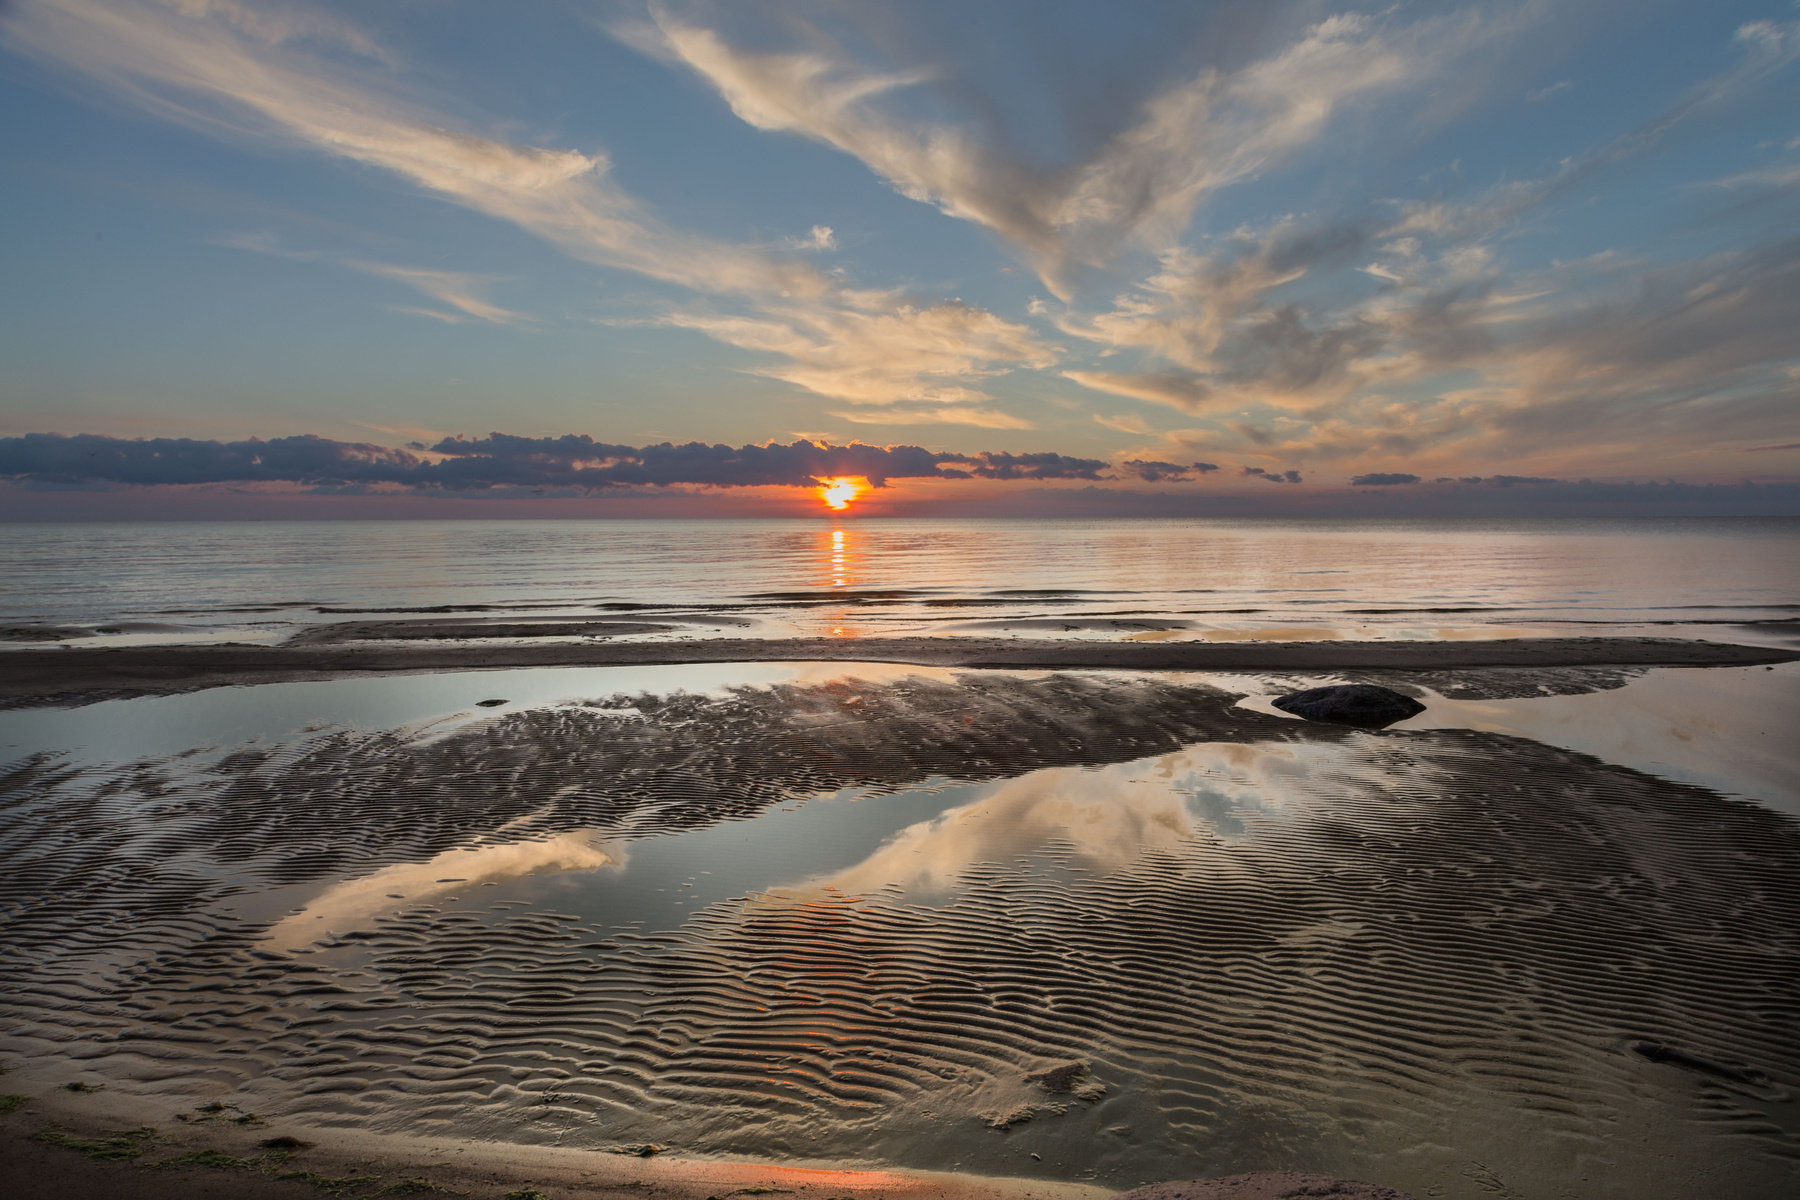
point(936, 601)
point(968, 914)
point(76, 674)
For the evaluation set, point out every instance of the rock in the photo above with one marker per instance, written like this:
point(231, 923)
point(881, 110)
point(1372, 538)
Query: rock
point(1264, 1185)
point(1360, 704)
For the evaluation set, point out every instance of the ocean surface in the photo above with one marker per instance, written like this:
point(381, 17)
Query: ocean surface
point(1217, 579)
point(1106, 926)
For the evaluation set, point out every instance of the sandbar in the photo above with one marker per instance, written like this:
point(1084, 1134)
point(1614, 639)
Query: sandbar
point(73, 674)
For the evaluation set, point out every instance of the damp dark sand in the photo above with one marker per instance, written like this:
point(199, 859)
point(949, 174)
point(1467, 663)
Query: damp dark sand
point(391, 647)
point(211, 1156)
point(1100, 928)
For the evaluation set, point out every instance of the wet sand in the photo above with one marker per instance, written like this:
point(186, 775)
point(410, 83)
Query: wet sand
point(77, 673)
point(1115, 928)
point(178, 1160)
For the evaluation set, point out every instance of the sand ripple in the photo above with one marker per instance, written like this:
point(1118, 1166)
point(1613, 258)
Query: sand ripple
point(1167, 937)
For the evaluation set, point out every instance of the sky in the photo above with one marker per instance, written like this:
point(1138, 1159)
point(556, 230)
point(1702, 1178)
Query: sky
point(429, 257)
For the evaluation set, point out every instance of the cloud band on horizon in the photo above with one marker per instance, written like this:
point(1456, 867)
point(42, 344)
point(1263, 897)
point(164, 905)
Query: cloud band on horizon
point(504, 460)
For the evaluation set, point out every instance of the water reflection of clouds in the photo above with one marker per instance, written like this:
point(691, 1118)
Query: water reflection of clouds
point(1105, 818)
point(1719, 727)
point(355, 902)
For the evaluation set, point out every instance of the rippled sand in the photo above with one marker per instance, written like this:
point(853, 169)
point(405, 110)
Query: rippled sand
point(1075, 925)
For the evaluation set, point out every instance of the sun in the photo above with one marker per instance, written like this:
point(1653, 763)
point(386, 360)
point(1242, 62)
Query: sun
point(838, 493)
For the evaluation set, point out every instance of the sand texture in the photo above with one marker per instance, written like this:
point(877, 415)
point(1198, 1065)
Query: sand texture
point(1104, 930)
point(76, 672)
point(221, 1160)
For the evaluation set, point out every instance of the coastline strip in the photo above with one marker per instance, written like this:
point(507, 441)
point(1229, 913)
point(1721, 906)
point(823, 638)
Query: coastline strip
point(46, 674)
point(238, 1165)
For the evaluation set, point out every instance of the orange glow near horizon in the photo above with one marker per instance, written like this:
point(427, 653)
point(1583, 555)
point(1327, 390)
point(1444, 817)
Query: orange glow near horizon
point(838, 493)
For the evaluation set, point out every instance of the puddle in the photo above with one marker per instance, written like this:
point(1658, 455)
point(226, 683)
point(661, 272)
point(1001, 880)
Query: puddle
point(1725, 728)
point(427, 704)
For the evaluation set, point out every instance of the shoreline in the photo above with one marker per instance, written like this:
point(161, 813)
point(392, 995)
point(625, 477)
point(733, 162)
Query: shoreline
point(67, 674)
point(108, 673)
point(239, 1167)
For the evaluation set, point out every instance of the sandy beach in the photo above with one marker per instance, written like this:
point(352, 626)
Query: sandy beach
point(71, 673)
point(964, 928)
point(176, 1158)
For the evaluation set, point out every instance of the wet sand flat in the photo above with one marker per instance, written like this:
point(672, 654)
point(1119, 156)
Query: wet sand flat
point(67, 672)
point(1104, 927)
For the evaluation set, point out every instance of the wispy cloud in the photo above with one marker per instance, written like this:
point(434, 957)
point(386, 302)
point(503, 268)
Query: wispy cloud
point(460, 290)
point(879, 348)
point(981, 418)
point(263, 243)
point(1123, 422)
point(1454, 354)
point(820, 237)
point(1186, 391)
point(241, 71)
point(1371, 332)
point(1214, 129)
point(233, 69)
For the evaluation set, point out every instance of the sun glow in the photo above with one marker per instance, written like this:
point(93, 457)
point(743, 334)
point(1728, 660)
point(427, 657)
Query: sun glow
point(838, 493)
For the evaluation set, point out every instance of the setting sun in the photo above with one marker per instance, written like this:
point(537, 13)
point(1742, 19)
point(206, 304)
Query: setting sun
point(838, 493)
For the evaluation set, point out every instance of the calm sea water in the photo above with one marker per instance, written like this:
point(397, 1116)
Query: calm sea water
point(1222, 577)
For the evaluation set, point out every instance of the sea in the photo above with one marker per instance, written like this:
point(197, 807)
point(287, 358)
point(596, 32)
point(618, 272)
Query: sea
point(1095, 926)
point(1217, 579)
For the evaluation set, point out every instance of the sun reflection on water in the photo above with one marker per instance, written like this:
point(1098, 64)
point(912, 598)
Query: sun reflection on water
point(839, 572)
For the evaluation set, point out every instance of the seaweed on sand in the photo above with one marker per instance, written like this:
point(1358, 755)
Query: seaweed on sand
point(119, 1147)
point(330, 1186)
point(416, 1187)
point(219, 1160)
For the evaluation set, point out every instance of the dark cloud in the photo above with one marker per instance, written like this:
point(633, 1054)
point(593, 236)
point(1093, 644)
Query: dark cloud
point(1390, 479)
point(989, 465)
point(502, 460)
point(52, 458)
point(579, 461)
point(1154, 472)
point(1273, 476)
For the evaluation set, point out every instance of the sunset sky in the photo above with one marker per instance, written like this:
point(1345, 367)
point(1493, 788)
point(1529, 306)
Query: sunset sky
point(1452, 255)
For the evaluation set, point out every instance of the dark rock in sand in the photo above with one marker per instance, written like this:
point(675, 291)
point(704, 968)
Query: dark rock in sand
point(1264, 1185)
point(1361, 704)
